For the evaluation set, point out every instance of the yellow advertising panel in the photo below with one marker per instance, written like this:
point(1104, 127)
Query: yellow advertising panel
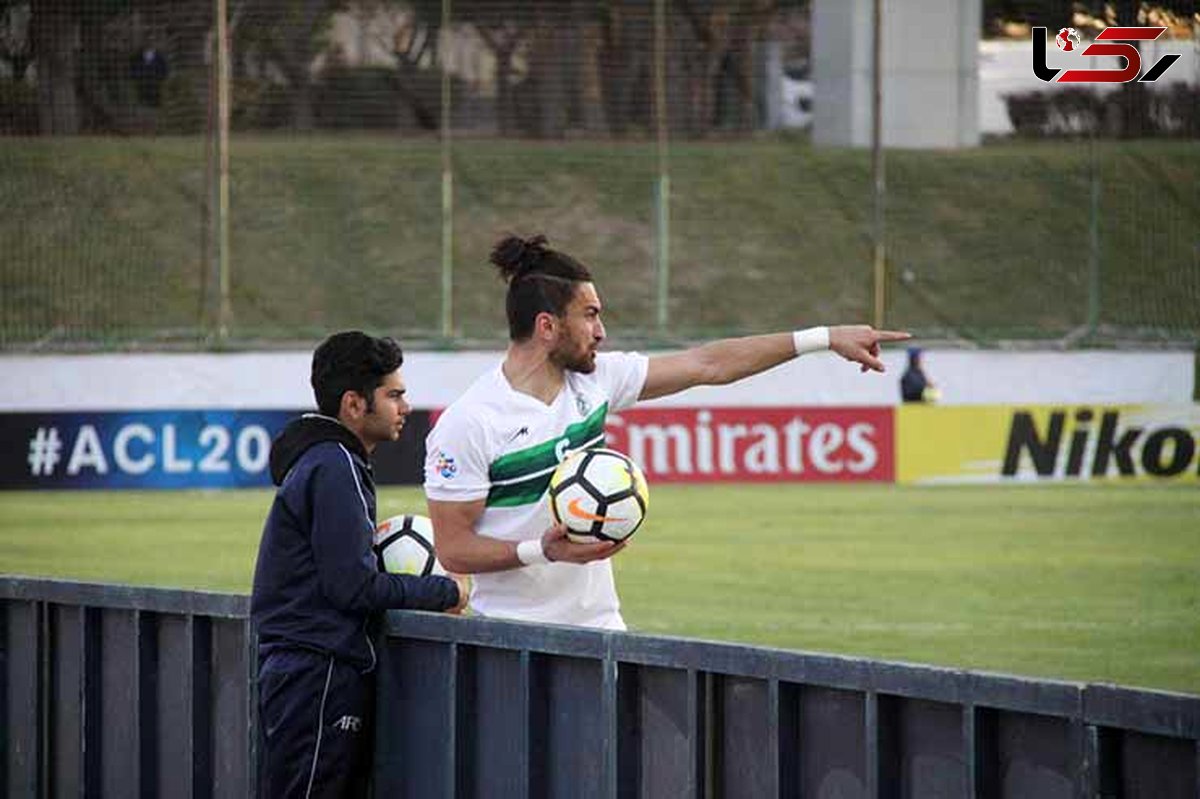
point(1002, 443)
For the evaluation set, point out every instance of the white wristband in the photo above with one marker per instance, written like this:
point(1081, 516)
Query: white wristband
point(811, 339)
point(530, 552)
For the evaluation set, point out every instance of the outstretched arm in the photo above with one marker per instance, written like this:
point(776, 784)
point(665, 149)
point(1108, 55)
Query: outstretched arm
point(729, 360)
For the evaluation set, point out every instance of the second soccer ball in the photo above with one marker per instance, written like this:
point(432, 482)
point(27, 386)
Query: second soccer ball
point(404, 545)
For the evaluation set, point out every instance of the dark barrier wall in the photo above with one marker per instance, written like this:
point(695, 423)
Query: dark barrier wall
point(124, 691)
point(479, 708)
point(119, 691)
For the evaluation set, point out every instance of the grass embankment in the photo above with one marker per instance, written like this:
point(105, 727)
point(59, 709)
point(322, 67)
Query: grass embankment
point(102, 239)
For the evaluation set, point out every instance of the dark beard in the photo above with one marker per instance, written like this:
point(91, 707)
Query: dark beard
point(584, 364)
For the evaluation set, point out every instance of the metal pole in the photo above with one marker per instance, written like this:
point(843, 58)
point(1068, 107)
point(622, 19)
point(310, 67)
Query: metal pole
point(447, 183)
point(208, 263)
point(879, 253)
point(226, 312)
point(662, 198)
point(1093, 300)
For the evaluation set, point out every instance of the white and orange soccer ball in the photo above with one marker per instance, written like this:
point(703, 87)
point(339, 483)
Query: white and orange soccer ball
point(404, 545)
point(600, 494)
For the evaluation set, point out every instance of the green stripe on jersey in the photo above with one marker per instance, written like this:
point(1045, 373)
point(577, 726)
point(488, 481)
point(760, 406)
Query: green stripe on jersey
point(513, 495)
point(540, 457)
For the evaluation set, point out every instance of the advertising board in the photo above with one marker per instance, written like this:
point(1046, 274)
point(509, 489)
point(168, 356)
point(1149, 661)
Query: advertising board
point(992, 444)
point(753, 444)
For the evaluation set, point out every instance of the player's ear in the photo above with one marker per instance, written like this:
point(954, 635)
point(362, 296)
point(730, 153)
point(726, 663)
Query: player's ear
point(354, 405)
point(545, 324)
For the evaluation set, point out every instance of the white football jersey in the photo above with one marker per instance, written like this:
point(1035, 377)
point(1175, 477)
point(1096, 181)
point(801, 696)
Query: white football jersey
point(497, 443)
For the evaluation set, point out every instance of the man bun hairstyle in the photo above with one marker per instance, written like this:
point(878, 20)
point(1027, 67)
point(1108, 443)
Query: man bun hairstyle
point(352, 361)
point(540, 280)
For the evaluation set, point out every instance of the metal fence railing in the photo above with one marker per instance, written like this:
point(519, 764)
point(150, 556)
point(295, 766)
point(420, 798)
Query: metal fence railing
point(377, 148)
point(116, 690)
point(111, 690)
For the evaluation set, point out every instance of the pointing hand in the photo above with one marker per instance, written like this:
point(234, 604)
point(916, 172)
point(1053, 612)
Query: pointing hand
point(861, 344)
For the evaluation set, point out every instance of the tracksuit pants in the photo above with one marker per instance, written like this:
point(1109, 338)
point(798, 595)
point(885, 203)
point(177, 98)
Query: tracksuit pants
point(316, 714)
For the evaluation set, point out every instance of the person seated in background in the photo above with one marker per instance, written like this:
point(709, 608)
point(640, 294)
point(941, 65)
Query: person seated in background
point(915, 385)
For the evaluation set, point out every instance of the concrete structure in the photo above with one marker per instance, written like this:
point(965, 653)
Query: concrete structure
point(279, 380)
point(930, 73)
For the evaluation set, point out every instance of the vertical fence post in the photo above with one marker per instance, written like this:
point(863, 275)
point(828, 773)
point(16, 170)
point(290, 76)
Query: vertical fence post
point(447, 181)
point(205, 315)
point(662, 193)
point(1093, 283)
point(226, 310)
point(610, 712)
point(878, 182)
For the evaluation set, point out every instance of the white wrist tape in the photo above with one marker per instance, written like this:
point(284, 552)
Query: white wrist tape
point(811, 339)
point(530, 552)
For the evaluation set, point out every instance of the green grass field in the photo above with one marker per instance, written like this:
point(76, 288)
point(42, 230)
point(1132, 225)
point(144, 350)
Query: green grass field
point(1071, 582)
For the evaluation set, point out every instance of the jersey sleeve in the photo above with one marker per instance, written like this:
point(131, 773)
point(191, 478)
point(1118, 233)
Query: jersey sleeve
point(456, 460)
point(623, 375)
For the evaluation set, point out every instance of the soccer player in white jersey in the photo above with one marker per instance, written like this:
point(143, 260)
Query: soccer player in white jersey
point(491, 453)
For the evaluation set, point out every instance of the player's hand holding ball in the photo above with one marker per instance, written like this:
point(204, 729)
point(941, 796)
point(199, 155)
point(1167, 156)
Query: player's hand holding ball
point(558, 547)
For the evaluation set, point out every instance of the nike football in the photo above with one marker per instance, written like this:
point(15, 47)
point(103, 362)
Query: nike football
point(600, 494)
point(404, 545)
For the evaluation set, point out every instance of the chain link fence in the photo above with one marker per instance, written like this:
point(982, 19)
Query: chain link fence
point(377, 150)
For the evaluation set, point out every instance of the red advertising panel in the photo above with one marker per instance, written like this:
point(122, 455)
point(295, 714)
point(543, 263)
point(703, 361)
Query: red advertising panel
point(707, 445)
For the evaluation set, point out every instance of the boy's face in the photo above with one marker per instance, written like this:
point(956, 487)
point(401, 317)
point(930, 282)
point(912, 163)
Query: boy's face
point(386, 419)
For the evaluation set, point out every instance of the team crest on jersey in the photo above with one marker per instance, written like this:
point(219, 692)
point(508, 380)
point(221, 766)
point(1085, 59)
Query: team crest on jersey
point(445, 465)
point(582, 404)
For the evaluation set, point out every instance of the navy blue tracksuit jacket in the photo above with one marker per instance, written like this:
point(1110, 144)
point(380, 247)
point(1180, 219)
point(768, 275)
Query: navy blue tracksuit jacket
point(317, 602)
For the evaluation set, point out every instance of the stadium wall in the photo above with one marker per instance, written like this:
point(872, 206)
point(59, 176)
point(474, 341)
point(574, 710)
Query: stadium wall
point(117, 382)
point(179, 421)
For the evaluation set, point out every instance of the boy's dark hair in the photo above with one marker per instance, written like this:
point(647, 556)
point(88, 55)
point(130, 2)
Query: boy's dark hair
point(352, 361)
point(540, 280)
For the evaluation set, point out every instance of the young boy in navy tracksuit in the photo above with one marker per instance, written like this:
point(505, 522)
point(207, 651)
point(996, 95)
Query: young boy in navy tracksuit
point(318, 592)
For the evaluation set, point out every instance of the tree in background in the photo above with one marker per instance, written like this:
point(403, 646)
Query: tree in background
point(16, 52)
point(286, 35)
point(83, 54)
point(18, 102)
point(716, 47)
point(560, 65)
point(54, 29)
point(415, 46)
point(579, 65)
